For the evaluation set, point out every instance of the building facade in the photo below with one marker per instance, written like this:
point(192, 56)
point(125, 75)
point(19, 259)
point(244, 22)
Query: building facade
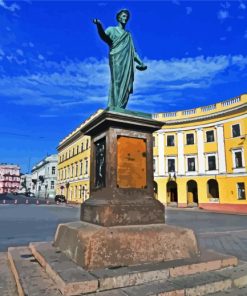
point(200, 156)
point(26, 183)
point(9, 178)
point(74, 165)
point(44, 177)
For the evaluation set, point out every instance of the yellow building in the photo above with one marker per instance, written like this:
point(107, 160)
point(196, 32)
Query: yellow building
point(74, 165)
point(200, 156)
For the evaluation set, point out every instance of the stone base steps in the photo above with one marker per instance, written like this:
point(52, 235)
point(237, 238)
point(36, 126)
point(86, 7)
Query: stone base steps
point(7, 281)
point(41, 269)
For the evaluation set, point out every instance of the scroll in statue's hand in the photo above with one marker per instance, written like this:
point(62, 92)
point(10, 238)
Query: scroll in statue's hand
point(141, 67)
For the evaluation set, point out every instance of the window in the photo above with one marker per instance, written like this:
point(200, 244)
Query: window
point(86, 167)
point(190, 139)
point(241, 190)
point(191, 162)
point(68, 171)
point(238, 159)
point(53, 170)
point(52, 184)
point(170, 140)
point(210, 136)
point(76, 169)
point(77, 149)
point(171, 165)
point(73, 152)
point(82, 147)
point(72, 170)
point(81, 167)
point(87, 144)
point(235, 130)
point(211, 163)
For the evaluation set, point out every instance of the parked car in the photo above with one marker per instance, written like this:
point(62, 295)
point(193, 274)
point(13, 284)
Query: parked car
point(60, 198)
point(30, 194)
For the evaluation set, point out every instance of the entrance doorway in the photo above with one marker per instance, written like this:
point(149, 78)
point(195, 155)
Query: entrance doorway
point(192, 193)
point(172, 192)
point(213, 189)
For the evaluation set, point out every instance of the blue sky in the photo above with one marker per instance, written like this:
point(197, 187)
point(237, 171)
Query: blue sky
point(54, 68)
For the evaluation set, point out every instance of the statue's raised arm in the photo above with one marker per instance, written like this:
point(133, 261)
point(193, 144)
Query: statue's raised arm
point(101, 32)
point(122, 57)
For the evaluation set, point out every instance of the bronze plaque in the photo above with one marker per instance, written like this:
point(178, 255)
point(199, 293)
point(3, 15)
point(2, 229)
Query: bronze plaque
point(131, 162)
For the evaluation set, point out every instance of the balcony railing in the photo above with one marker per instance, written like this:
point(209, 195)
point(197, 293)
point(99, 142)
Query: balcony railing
point(231, 101)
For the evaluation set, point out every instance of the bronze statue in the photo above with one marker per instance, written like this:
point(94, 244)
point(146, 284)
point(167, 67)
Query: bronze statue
point(122, 58)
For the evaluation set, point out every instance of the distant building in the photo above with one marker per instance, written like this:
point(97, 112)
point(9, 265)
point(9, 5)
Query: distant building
point(44, 177)
point(9, 178)
point(74, 165)
point(26, 183)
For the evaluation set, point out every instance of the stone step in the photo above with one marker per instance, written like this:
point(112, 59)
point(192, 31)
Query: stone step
point(7, 281)
point(30, 277)
point(56, 265)
point(220, 282)
point(70, 278)
point(233, 292)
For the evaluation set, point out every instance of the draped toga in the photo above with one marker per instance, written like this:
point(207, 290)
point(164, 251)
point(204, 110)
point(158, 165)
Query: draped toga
point(121, 60)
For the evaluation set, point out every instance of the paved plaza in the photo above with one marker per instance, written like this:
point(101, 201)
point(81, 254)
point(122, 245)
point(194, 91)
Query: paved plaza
point(21, 224)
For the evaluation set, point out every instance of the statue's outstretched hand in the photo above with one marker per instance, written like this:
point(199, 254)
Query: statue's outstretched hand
point(96, 21)
point(141, 67)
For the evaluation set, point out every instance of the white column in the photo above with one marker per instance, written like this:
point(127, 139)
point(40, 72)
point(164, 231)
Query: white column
point(181, 168)
point(221, 148)
point(200, 151)
point(161, 152)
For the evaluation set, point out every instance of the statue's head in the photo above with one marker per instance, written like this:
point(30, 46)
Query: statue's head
point(123, 14)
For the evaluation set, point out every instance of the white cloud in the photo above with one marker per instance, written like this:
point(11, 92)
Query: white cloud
point(242, 5)
point(223, 14)
point(69, 84)
point(188, 10)
point(13, 7)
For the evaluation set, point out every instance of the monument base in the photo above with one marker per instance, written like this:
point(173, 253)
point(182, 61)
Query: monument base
point(92, 246)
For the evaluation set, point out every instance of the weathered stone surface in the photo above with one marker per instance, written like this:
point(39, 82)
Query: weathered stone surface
point(122, 200)
point(7, 282)
point(237, 274)
point(70, 278)
point(92, 246)
point(30, 278)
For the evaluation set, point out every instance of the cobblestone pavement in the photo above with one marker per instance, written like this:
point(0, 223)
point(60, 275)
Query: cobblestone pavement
point(224, 233)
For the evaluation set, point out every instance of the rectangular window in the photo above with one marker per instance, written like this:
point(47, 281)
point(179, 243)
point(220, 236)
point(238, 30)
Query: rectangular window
point(238, 159)
point(77, 149)
point(76, 169)
point(52, 184)
point(82, 147)
point(81, 167)
point(87, 144)
point(211, 163)
point(171, 165)
point(210, 136)
point(190, 139)
point(241, 190)
point(170, 140)
point(86, 167)
point(53, 170)
point(235, 130)
point(191, 164)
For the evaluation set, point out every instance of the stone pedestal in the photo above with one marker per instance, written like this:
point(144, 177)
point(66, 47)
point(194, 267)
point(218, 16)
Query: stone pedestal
point(122, 224)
